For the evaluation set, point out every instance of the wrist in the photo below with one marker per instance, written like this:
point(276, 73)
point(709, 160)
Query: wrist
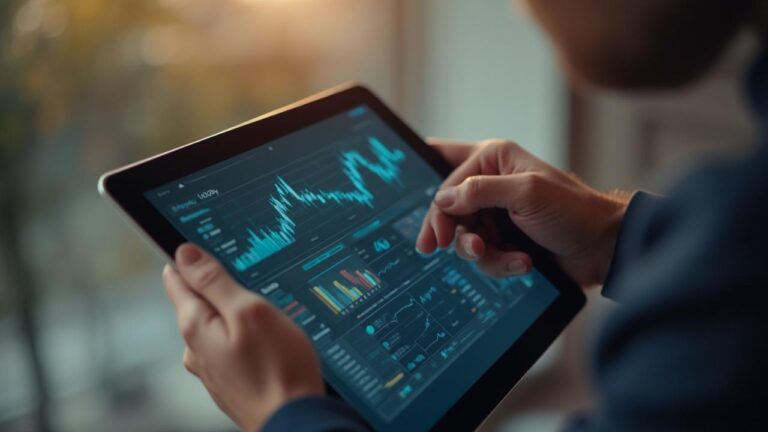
point(617, 202)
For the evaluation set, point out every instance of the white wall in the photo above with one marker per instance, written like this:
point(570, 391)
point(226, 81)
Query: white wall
point(481, 69)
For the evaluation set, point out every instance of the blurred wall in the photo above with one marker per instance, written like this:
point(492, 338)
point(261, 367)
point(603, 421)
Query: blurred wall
point(651, 139)
point(483, 70)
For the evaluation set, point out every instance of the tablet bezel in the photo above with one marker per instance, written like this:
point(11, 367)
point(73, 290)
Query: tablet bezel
point(126, 187)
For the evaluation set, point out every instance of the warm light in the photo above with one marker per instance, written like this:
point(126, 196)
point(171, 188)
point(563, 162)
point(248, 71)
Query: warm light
point(258, 2)
point(49, 18)
point(164, 44)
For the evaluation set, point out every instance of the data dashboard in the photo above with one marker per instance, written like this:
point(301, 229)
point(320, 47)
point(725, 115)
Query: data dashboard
point(323, 222)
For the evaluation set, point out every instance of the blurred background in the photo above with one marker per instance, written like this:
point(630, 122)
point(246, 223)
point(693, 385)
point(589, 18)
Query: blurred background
point(87, 338)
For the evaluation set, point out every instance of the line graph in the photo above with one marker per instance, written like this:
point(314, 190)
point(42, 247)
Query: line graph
point(415, 335)
point(266, 241)
point(439, 335)
point(389, 266)
point(395, 313)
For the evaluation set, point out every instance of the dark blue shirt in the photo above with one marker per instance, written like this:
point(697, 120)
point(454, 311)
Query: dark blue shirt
point(688, 348)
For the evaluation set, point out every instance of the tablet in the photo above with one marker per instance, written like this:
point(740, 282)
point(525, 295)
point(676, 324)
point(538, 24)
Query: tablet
point(317, 208)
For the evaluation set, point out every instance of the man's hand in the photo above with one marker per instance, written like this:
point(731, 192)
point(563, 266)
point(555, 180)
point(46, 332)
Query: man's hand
point(558, 211)
point(249, 355)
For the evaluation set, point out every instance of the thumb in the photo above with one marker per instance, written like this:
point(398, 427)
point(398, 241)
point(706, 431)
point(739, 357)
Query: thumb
point(483, 191)
point(208, 278)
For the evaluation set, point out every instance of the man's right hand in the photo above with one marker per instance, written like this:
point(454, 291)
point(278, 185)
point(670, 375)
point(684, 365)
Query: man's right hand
point(558, 211)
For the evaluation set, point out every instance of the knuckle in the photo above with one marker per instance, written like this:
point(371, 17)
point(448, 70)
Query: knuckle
point(188, 362)
point(167, 276)
point(188, 330)
point(512, 147)
point(509, 156)
point(209, 274)
point(472, 187)
point(255, 310)
point(491, 142)
point(499, 144)
point(533, 183)
point(166, 273)
point(253, 318)
point(188, 321)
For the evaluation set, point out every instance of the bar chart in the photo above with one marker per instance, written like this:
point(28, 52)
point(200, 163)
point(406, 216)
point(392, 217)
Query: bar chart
point(344, 284)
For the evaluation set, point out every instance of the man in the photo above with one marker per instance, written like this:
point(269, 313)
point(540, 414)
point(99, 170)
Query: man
point(685, 351)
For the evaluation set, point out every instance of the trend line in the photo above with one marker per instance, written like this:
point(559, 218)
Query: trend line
point(265, 242)
point(390, 265)
point(426, 327)
point(395, 316)
point(439, 336)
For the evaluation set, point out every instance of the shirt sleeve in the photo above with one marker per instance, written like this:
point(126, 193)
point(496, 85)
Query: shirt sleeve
point(641, 205)
point(316, 414)
point(686, 350)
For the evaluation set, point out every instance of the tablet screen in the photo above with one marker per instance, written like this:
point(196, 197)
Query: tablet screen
point(323, 223)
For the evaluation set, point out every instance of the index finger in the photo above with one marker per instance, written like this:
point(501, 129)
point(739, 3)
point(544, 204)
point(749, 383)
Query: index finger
point(438, 228)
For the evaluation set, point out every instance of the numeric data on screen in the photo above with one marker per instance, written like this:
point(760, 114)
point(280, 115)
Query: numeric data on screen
point(323, 223)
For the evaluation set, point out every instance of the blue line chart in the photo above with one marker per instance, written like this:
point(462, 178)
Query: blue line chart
point(371, 329)
point(383, 322)
point(266, 241)
point(390, 265)
point(438, 336)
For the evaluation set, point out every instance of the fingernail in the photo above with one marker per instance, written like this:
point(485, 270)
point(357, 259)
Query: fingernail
point(445, 197)
point(424, 254)
point(517, 267)
point(189, 255)
point(470, 253)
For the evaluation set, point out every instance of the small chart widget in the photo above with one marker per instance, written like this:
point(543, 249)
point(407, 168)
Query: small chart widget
point(345, 285)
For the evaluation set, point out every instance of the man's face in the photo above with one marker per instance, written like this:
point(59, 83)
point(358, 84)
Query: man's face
point(629, 44)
